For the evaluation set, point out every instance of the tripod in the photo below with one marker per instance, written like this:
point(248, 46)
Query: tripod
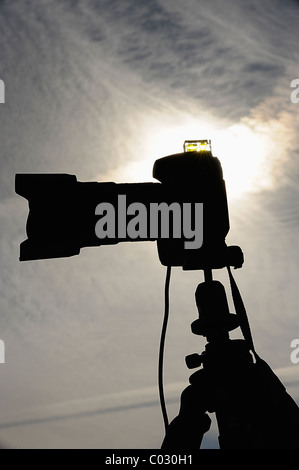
point(252, 408)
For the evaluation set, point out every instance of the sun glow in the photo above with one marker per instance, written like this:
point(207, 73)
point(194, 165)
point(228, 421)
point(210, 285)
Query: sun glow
point(243, 155)
point(242, 149)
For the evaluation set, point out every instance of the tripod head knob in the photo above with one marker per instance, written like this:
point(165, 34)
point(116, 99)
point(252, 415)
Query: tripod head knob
point(214, 320)
point(194, 360)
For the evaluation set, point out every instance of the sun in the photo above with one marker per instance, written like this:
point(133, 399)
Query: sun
point(243, 155)
point(241, 148)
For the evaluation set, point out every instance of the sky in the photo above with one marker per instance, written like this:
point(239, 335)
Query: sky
point(101, 89)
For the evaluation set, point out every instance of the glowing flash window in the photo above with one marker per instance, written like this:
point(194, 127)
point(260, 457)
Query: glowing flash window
point(197, 146)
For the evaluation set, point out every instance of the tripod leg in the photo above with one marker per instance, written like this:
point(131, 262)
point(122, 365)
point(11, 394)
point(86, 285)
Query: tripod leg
point(187, 429)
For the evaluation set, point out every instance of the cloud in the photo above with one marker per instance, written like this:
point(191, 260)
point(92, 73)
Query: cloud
point(88, 86)
point(121, 404)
